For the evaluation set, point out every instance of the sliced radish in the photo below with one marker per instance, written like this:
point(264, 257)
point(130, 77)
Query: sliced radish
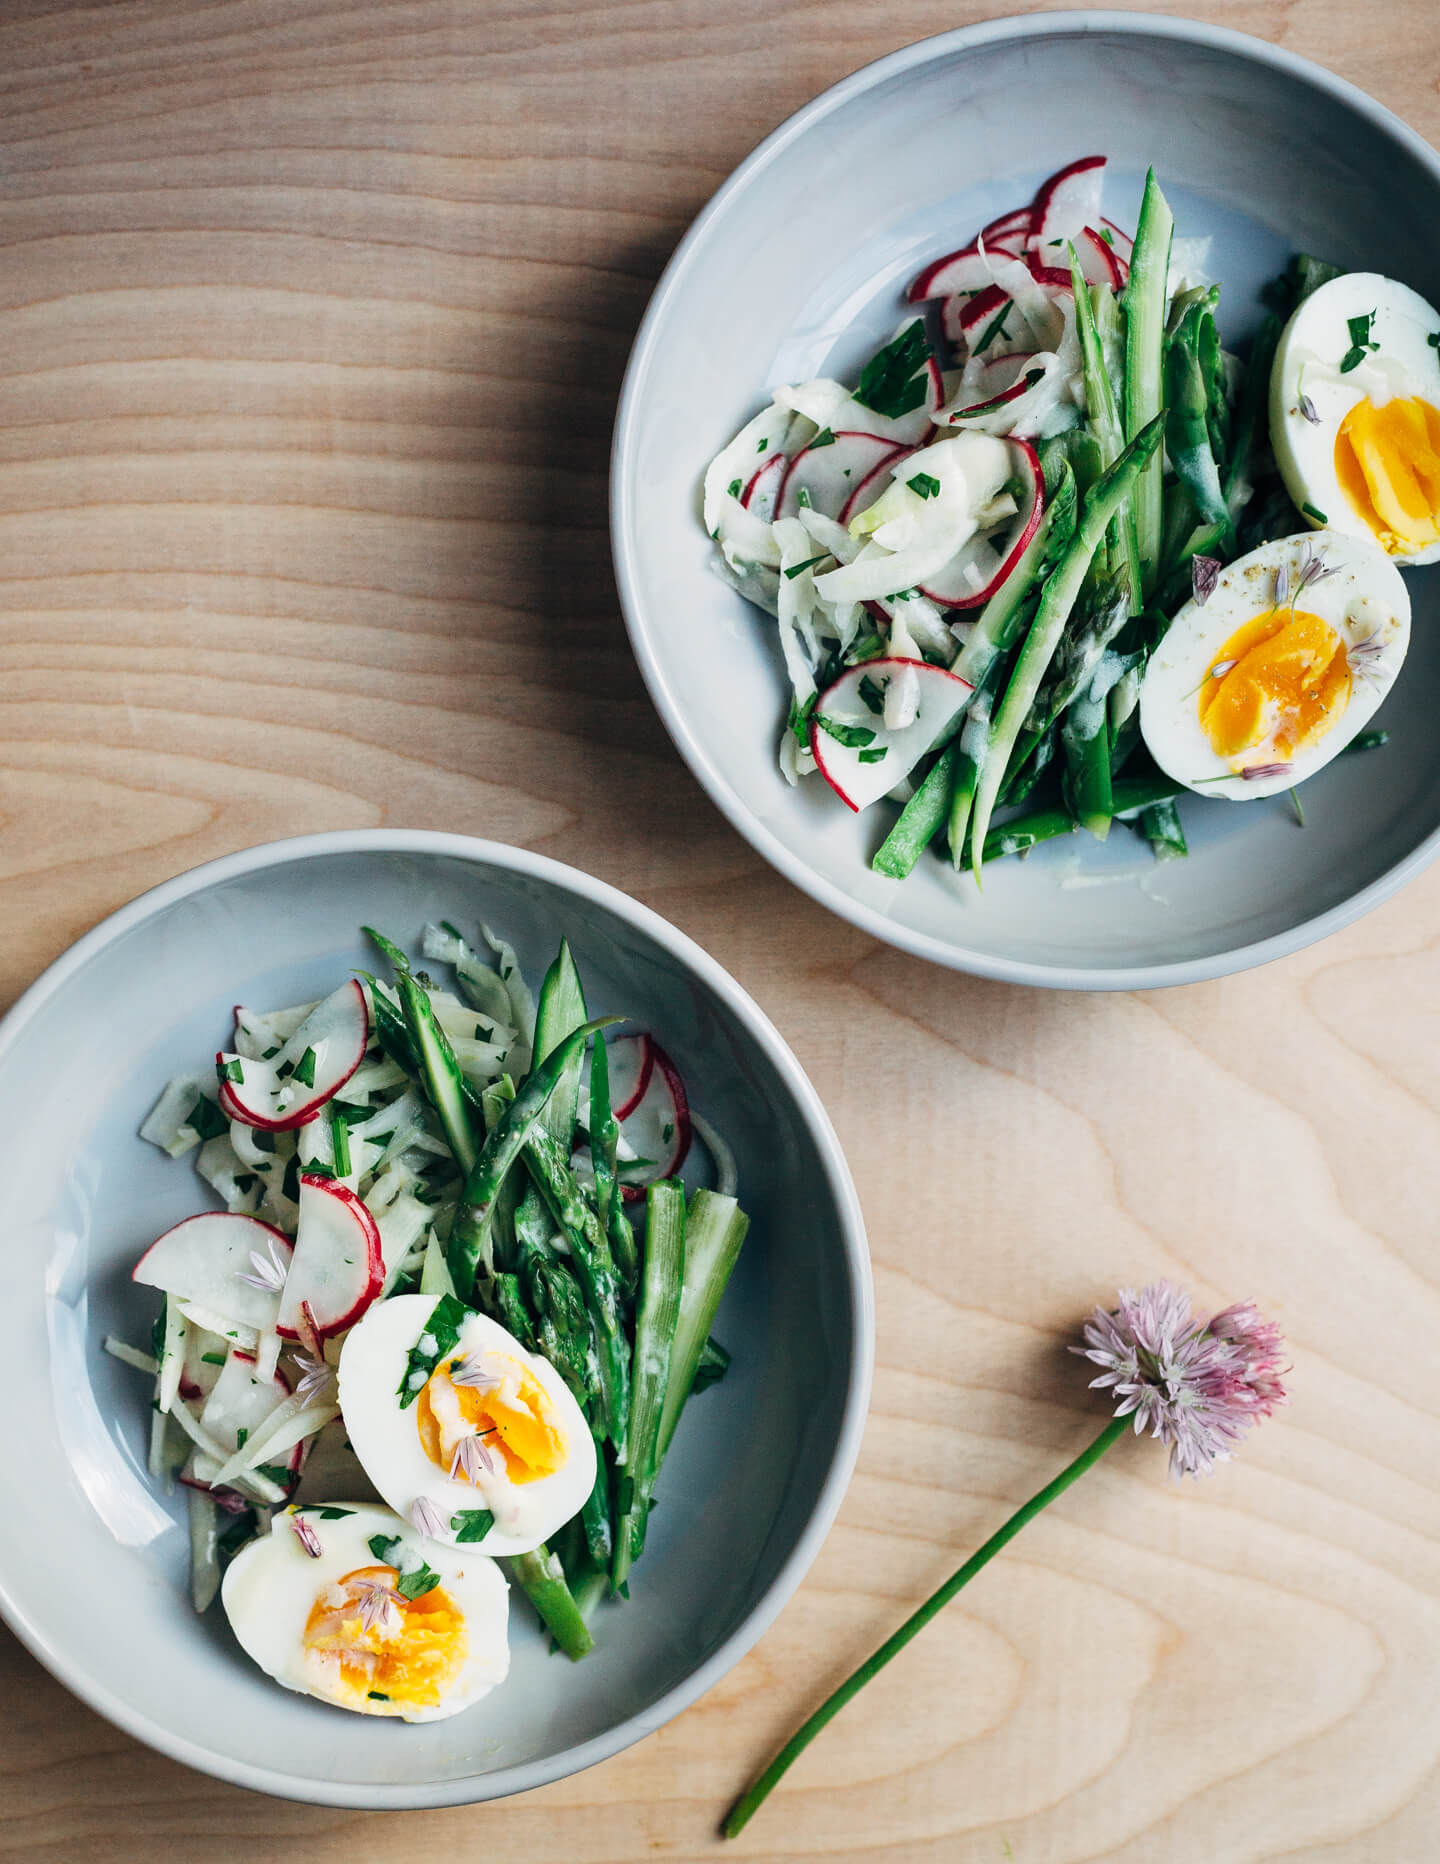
point(1121, 242)
point(205, 1354)
point(1098, 260)
point(658, 1127)
point(995, 380)
point(760, 494)
point(978, 568)
point(338, 1267)
point(1067, 201)
point(967, 270)
point(1053, 277)
point(873, 484)
point(829, 474)
point(1012, 230)
point(313, 1066)
point(859, 783)
point(231, 1265)
point(631, 1060)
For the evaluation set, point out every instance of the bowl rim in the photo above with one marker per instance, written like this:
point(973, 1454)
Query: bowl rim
point(764, 840)
point(521, 1777)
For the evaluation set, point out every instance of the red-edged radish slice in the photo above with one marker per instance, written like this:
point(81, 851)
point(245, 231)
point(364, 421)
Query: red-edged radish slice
point(224, 1261)
point(270, 1095)
point(873, 484)
point(338, 1267)
point(979, 567)
point(998, 380)
point(1120, 241)
point(856, 779)
point(990, 323)
point(829, 474)
point(198, 1376)
point(631, 1060)
point(1012, 230)
point(1053, 277)
point(1098, 261)
point(1067, 201)
point(658, 1128)
point(242, 1400)
point(760, 494)
point(969, 269)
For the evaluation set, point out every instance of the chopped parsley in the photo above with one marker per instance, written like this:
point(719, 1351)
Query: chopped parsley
point(1434, 339)
point(799, 720)
point(382, 1546)
point(1360, 341)
point(993, 329)
point(760, 449)
point(323, 1509)
point(802, 498)
point(376, 1695)
point(212, 1359)
point(240, 1437)
point(206, 1119)
point(305, 1069)
point(442, 1330)
point(415, 1585)
point(894, 381)
point(734, 488)
point(874, 756)
point(924, 485)
point(277, 1473)
point(471, 1524)
point(340, 1144)
point(851, 736)
point(667, 1132)
point(230, 1070)
point(872, 694)
point(798, 569)
point(823, 439)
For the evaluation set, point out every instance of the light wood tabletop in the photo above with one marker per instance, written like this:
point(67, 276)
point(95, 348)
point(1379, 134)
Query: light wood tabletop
point(312, 319)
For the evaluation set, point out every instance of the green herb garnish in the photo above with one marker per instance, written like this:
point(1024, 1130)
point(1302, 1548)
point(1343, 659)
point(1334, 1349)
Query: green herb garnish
point(875, 756)
point(442, 1330)
point(872, 694)
point(734, 488)
point(471, 1524)
point(798, 569)
point(893, 382)
point(206, 1119)
point(924, 485)
point(851, 736)
point(305, 1069)
point(1312, 512)
point(230, 1070)
point(1360, 341)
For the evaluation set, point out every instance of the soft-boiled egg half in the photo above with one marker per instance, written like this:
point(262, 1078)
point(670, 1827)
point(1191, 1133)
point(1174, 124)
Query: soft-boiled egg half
point(1290, 653)
point(478, 1429)
point(1355, 413)
point(345, 1602)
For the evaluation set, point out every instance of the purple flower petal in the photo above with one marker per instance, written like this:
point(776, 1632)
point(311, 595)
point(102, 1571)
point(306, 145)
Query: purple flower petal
point(306, 1536)
point(1204, 574)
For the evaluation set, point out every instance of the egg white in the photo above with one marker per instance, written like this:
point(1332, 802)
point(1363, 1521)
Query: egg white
point(1307, 364)
point(1365, 601)
point(271, 1586)
point(385, 1438)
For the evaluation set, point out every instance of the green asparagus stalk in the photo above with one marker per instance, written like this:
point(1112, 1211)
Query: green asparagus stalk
point(1145, 308)
point(540, 1577)
point(661, 1280)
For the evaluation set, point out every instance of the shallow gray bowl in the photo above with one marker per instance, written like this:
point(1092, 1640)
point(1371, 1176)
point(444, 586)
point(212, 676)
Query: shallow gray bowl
point(93, 1564)
point(797, 268)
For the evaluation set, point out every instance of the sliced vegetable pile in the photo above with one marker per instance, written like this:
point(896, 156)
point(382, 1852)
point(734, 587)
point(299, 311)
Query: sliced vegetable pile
point(426, 1285)
point(975, 554)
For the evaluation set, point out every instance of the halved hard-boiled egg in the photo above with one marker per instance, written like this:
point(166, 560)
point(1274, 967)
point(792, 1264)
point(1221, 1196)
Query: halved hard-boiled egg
point(1355, 413)
point(1259, 684)
point(460, 1429)
point(345, 1602)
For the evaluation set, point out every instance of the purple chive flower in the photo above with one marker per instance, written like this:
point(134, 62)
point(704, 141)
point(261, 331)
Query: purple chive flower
point(270, 1269)
point(306, 1536)
point(1198, 1388)
point(378, 1608)
point(425, 1517)
point(1253, 773)
point(1204, 574)
point(1307, 409)
point(473, 1371)
point(316, 1376)
point(471, 1460)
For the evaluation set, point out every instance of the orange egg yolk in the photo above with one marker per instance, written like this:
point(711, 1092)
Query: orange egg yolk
point(1387, 460)
point(514, 1419)
point(1282, 680)
point(410, 1651)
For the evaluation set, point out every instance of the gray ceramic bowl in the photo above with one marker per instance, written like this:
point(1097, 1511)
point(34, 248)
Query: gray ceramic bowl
point(797, 268)
point(93, 1563)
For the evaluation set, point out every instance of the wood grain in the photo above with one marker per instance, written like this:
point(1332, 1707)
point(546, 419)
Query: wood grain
point(312, 317)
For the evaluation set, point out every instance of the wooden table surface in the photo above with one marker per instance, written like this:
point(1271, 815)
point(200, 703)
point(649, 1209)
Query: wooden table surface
point(312, 319)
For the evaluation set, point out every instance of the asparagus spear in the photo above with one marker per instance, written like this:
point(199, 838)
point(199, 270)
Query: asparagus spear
point(1104, 415)
point(661, 1279)
point(1145, 306)
point(503, 1145)
point(715, 1227)
point(1061, 589)
point(540, 1577)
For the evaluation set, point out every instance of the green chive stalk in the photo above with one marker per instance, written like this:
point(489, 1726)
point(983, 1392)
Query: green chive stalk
point(750, 1801)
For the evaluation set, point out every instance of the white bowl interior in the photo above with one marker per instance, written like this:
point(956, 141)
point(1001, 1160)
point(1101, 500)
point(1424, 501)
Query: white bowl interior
point(799, 268)
point(96, 1581)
